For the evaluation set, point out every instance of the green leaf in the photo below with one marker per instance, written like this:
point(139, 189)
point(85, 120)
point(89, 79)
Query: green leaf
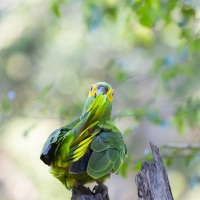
point(43, 95)
point(187, 113)
point(46, 89)
point(179, 123)
point(55, 7)
point(154, 117)
point(169, 161)
point(121, 75)
point(140, 113)
point(63, 112)
point(138, 164)
point(5, 105)
point(124, 168)
point(157, 66)
point(188, 159)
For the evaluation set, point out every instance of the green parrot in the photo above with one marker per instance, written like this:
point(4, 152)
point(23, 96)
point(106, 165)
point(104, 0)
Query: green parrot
point(90, 148)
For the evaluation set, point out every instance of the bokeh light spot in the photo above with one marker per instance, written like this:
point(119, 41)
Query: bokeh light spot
point(67, 82)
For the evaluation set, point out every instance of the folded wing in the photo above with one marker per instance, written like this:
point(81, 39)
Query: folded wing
point(108, 154)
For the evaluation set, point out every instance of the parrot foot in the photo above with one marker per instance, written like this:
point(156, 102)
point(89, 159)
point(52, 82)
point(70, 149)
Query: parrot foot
point(102, 190)
point(99, 192)
point(81, 192)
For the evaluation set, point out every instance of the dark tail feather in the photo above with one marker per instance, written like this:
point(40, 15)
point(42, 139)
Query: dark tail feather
point(81, 164)
point(47, 154)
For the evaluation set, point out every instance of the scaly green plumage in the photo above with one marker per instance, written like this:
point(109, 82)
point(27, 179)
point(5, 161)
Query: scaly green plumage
point(90, 148)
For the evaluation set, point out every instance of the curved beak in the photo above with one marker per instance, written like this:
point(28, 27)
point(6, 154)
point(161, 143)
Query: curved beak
point(101, 89)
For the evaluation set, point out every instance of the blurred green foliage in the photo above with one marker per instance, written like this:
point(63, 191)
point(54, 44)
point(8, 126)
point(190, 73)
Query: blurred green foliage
point(52, 51)
point(144, 23)
point(187, 114)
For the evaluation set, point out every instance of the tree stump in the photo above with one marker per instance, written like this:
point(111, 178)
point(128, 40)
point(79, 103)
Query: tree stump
point(152, 181)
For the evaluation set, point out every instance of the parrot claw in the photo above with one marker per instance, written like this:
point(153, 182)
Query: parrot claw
point(99, 192)
point(102, 190)
point(79, 190)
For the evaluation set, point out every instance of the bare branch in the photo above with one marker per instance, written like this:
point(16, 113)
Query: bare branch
point(182, 146)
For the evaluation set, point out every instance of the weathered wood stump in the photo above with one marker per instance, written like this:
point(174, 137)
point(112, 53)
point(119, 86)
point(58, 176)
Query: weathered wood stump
point(152, 181)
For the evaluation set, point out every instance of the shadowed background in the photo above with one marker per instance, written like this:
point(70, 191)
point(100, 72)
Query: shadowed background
point(50, 54)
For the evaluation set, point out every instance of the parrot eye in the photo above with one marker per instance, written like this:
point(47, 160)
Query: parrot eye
point(91, 88)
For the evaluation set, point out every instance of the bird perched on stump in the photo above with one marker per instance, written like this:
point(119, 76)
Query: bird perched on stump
point(90, 148)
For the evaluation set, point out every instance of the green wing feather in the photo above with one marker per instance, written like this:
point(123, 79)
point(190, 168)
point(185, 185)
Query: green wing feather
point(68, 144)
point(83, 131)
point(49, 147)
point(108, 154)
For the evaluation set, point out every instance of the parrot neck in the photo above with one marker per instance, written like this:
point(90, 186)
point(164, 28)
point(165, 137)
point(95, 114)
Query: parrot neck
point(104, 116)
point(87, 105)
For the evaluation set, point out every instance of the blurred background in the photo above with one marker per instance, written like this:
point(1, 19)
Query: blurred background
point(50, 54)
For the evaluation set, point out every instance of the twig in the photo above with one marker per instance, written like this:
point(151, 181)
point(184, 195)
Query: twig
point(182, 146)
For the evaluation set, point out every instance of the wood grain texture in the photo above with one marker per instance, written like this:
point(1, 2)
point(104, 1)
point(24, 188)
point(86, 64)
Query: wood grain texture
point(152, 181)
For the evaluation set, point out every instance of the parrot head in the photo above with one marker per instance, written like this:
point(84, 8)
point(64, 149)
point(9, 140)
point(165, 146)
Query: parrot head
point(101, 88)
point(96, 89)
